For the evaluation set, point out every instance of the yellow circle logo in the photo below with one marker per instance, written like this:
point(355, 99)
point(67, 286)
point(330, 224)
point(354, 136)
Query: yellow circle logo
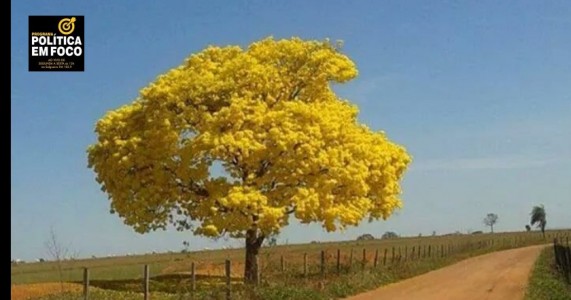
point(66, 25)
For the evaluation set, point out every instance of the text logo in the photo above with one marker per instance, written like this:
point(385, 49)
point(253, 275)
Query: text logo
point(56, 43)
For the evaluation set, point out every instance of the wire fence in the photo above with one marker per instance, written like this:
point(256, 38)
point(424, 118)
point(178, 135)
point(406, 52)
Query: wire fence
point(327, 263)
point(563, 257)
point(288, 265)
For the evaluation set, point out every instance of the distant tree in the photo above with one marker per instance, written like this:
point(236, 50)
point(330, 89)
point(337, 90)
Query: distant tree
point(420, 235)
point(272, 240)
point(365, 237)
point(434, 233)
point(477, 232)
point(490, 220)
point(538, 217)
point(186, 244)
point(527, 228)
point(389, 235)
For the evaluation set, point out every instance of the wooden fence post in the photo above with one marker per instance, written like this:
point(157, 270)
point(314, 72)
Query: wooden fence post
point(385, 257)
point(441, 250)
point(412, 253)
point(305, 265)
point(400, 255)
point(192, 277)
point(85, 283)
point(351, 260)
point(364, 258)
point(555, 250)
point(405, 253)
point(376, 262)
point(338, 261)
point(229, 280)
point(259, 267)
point(568, 257)
point(146, 282)
point(322, 263)
point(429, 248)
point(282, 263)
point(393, 255)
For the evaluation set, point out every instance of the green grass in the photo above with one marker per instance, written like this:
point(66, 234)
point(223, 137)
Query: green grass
point(110, 295)
point(546, 283)
point(131, 267)
point(292, 286)
point(120, 278)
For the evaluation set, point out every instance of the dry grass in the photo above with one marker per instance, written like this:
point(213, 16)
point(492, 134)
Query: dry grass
point(211, 263)
point(120, 277)
point(34, 290)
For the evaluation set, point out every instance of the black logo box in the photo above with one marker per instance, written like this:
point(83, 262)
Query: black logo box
point(50, 24)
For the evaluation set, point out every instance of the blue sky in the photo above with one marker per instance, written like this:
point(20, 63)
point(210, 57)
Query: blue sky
point(479, 92)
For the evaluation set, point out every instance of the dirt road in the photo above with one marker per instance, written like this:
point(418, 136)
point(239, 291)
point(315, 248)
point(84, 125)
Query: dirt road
point(495, 276)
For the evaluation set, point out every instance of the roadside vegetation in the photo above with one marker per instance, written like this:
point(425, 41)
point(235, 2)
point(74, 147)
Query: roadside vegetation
point(545, 282)
point(121, 278)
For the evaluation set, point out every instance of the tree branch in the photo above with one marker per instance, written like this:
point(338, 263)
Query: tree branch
point(292, 210)
point(260, 240)
point(264, 165)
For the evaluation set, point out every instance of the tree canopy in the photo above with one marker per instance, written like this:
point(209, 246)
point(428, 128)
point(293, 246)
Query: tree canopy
point(490, 220)
point(283, 142)
point(286, 142)
point(389, 235)
point(539, 217)
point(365, 237)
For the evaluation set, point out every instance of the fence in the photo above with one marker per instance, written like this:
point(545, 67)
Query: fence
point(563, 257)
point(146, 281)
point(324, 267)
point(324, 263)
point(220, 273)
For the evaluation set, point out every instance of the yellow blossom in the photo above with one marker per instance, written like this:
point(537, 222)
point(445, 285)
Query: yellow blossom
point(242, 139)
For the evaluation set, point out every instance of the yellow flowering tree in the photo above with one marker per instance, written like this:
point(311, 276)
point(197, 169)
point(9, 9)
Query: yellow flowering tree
point(286, 146)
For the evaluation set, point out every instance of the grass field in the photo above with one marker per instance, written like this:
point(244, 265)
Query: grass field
point(546, 283)
point(169, 272)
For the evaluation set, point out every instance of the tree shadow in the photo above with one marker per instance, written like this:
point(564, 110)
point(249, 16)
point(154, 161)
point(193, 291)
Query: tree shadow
point(168, 283)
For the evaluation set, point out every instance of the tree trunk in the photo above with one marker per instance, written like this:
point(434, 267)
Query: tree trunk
point(253, 245)
point(492, 228)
